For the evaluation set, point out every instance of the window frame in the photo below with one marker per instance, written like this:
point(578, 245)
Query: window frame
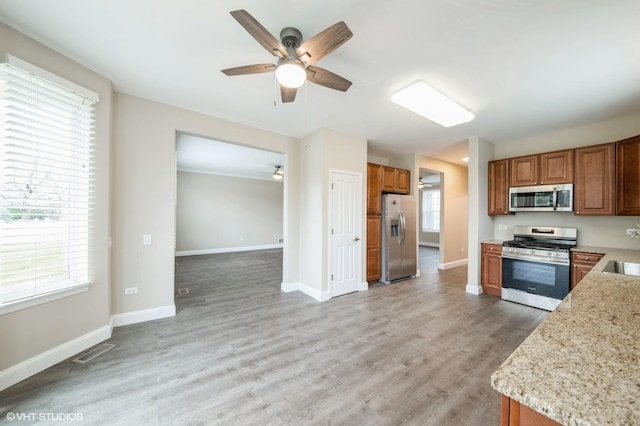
point(81, 285)
point(423, 212)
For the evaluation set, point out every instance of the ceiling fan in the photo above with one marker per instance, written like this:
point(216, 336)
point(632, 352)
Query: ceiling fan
point(295, 58)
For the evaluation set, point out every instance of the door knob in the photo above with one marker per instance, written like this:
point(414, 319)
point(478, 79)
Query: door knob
point(356, 239)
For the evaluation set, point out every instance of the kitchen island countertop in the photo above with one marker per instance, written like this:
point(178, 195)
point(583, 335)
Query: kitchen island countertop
point(582, 364)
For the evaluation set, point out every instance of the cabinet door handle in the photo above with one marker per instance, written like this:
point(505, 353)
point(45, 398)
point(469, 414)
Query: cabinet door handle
point(586, 258)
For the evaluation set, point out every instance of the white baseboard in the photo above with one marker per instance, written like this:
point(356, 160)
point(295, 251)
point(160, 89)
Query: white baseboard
point(40, 362)
point(289, 287)
point(320, 296)
point(453, 264)
point(436, 245)
point(227, 250)
point(474, 289)
point(143, 315)
point(364, 286)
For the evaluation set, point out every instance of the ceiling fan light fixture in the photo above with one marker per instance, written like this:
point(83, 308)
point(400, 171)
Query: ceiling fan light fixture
point(291, 73)
point(278, 174)
point(426, 101)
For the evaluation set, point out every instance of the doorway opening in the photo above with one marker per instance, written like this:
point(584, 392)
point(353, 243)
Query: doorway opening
point(229, 202)
point(429, 218)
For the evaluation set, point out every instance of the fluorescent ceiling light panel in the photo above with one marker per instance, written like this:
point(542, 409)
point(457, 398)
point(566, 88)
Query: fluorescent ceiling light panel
point(424, 100)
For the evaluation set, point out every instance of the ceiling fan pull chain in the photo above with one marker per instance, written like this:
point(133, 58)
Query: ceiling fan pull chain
point(306, 110)
point(275, 90)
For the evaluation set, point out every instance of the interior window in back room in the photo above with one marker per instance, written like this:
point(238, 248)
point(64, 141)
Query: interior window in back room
point(431, 210)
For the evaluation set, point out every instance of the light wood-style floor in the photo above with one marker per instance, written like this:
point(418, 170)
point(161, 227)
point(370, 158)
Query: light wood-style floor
point(241, 352)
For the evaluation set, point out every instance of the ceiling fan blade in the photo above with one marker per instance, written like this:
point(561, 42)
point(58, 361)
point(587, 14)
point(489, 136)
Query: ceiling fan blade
point(260, 33)
point(326, 78)
point(323, 43)
point(287, 94)
point(250, 69)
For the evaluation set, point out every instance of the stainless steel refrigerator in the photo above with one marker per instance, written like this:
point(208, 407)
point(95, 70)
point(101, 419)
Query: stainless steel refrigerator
point(399, 245)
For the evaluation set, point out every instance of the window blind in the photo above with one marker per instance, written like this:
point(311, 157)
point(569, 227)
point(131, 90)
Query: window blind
point(46, 184)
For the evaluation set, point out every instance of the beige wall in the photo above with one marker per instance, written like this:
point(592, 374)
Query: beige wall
point(454, 187)
point(606, 231)
point(322, 151)
point(144, 195)
point(222, 213)
point(29, 332)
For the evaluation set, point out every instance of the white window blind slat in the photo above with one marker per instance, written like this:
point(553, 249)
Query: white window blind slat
point(46, 184)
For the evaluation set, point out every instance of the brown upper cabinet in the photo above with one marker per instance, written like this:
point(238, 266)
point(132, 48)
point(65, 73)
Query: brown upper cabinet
point(543, 169)
point(594, 186)
point(374, 185)
point(628, 176)
point(395, 180)
point(498, 187)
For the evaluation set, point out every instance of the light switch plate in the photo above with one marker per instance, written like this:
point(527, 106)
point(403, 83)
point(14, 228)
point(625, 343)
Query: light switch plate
point(146, 239)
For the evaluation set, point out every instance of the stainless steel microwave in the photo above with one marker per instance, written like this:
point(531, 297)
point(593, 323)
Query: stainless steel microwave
point(541, 198)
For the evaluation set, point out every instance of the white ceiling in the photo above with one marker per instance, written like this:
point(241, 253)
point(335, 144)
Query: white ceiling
point(200, 155)
point(523, 67)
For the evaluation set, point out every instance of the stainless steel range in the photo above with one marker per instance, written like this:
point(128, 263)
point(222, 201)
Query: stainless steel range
point(536, 265)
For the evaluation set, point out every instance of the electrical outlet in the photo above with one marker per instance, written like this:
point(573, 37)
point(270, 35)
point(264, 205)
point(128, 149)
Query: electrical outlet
point(280, 240)
point(131, 290)
point(502, 226)
point(146, 239)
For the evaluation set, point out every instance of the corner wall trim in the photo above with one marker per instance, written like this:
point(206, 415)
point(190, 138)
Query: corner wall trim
point(320, 296)
point(227, 250)
point(289, 287)
point(474, 289)
point(40, 362)
point(143, 315)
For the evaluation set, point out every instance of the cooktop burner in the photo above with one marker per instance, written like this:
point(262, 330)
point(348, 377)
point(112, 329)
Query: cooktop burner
point(535, 244)
point(543, 238)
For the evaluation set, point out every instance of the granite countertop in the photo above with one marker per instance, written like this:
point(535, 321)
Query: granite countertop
point(581, 366)
point(497, 242)
point(597, 250)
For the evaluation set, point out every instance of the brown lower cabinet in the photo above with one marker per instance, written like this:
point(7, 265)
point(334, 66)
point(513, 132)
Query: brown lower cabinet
point(491, 269)
point(581, 264)
point(512, 413)
point(374, 252)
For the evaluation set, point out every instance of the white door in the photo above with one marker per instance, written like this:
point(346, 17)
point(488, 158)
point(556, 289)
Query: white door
point(345, 232)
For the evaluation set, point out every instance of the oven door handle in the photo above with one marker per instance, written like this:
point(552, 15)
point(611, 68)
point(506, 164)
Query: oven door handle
point(536, 259)
point(555, 199)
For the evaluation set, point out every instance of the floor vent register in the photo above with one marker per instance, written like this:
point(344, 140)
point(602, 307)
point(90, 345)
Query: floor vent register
point(94, 353)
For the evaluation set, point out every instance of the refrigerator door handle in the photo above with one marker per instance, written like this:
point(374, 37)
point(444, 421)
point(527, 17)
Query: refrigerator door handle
point(403, 227)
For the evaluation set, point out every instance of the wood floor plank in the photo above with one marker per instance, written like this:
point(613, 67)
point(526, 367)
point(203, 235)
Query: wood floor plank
point(240, 351)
